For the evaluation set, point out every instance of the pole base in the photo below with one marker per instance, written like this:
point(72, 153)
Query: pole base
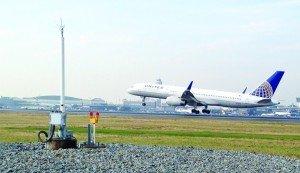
point(91, 145)
point(59, 143)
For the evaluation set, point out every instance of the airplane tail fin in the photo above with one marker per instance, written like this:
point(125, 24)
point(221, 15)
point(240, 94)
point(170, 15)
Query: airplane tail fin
point(268, 88)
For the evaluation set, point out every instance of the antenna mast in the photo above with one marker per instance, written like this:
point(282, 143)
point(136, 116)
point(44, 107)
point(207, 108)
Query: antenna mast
point(63, 138)
point(62, 96)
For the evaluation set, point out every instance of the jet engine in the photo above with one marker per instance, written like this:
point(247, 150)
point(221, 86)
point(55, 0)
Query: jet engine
point(175, 101)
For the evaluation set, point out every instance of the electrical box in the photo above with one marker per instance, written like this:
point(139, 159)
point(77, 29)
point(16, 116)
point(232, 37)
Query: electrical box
point(57, 118)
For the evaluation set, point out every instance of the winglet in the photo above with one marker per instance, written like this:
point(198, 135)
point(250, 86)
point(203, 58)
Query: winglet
point(190, 86)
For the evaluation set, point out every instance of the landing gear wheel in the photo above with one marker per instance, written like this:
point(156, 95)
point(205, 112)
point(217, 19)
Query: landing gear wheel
point(195, 111)
point(206, 111)
point(143, 101)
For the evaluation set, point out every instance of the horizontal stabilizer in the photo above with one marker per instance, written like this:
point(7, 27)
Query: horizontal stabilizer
point(264, 101)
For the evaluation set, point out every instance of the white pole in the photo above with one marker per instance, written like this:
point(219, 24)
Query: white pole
point(62, 96)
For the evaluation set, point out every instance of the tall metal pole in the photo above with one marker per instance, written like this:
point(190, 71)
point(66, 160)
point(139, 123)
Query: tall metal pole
point(63, 132)
point(62, 96)
point(62, 138)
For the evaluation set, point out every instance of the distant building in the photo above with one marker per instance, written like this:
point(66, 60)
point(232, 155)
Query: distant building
point(12, 102)
point(51, 100)
point(298, 101)
point(131, 103)
point(149, 103)
point(98, 101)
point(99, 104)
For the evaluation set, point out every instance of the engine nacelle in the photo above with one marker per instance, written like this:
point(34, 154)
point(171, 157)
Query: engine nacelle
point(175, 101)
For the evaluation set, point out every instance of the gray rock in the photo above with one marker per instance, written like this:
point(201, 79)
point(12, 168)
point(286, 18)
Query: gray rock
point(18, 157)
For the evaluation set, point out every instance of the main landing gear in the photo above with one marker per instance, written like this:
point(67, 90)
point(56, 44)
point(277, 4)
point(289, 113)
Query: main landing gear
point(195, 111)
point(143, 101)
point(205, 111)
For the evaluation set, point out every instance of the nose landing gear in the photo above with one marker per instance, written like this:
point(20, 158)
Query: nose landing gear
point(143, 101)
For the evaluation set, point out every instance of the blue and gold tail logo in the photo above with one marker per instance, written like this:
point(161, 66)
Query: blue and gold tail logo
point(268, 88)
point(264, 90)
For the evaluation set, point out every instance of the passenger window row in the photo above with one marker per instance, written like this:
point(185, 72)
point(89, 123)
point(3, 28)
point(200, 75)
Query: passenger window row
point(227, 97)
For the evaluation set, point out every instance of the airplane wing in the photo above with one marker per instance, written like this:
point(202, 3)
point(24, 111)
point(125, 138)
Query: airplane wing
point(189, 97)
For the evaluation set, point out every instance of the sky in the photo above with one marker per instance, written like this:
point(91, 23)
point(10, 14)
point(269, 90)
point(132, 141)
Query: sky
point(110, 45)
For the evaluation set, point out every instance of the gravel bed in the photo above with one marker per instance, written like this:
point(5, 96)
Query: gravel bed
point(19, 157)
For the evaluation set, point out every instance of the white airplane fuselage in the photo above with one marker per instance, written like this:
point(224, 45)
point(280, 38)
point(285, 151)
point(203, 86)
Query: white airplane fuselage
point(210, 97)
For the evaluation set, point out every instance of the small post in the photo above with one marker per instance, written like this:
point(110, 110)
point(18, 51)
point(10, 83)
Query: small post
point(91, 138)
point(94, 133)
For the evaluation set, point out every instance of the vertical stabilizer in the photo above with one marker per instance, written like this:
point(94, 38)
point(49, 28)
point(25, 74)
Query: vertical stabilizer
point(268, 88)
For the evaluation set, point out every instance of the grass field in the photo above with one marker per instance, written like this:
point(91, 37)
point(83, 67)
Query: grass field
point(276, 138)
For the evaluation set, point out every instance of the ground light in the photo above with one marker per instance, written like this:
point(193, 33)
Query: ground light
point(91, 132)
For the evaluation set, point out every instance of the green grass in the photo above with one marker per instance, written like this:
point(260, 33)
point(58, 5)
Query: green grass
point(276, 138)
point(33, 129)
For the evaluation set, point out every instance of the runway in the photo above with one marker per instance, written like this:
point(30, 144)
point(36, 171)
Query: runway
point(179, 115)
point(225, 117)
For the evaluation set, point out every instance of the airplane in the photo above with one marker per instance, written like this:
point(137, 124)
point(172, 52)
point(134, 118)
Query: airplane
point(196, 97)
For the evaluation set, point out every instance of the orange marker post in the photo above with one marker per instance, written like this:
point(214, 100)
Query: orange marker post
point(94, 118)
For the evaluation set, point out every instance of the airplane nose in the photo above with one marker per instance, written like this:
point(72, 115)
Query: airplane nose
point(132, 90)
point(129, 90)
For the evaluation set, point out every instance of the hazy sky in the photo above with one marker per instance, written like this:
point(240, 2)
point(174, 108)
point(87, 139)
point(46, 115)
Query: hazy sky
point(223, 45)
